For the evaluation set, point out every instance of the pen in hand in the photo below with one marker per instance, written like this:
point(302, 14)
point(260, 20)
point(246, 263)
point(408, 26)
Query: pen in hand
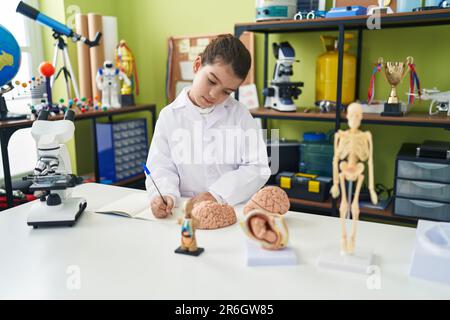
point(147, 172)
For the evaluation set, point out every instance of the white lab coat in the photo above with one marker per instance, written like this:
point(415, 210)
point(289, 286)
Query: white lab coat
point(184, 159)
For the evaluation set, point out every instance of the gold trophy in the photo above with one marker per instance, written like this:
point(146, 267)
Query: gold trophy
point(394, 72)
point(126, 63)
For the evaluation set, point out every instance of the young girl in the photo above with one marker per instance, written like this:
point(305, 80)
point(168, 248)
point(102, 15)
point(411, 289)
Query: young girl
point(206, 144)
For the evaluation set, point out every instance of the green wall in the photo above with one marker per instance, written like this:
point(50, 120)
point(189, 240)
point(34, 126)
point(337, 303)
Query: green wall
point(146, 25)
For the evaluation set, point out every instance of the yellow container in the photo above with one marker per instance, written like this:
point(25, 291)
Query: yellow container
point(327, 68)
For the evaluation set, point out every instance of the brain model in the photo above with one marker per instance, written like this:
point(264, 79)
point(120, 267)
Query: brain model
point(212, 215)
point(272, 199)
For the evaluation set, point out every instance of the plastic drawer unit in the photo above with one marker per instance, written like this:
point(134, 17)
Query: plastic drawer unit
point(423, 190)
point(122, 148)
point(422, 186)
point(422, 209)
point(438, 172)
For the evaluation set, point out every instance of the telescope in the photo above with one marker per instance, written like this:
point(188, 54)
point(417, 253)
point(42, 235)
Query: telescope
point(57, 27)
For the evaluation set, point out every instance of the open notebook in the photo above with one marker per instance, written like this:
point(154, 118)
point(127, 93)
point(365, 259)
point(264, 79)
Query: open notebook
point(137, 206)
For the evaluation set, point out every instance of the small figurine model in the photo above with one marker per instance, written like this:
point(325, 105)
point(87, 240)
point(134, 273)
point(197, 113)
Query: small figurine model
point(351, 149)
point(188, 240)
point(108, 81)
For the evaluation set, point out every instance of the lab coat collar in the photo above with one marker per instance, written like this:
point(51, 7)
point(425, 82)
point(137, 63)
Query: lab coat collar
point(218, 113)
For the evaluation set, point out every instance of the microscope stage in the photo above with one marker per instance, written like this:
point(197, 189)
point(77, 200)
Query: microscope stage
point(66, 214)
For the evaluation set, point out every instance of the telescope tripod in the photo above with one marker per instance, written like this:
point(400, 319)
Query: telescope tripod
point(66, 69)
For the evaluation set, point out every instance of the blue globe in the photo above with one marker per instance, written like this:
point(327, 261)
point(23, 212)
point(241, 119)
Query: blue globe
point(9, 56)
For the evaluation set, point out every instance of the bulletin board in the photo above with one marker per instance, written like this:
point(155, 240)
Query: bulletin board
point(182, 53)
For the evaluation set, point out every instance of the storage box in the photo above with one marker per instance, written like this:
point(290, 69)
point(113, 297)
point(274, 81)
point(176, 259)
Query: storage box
point(283, 156)
point(422, 185)
point(308, 5)
point(121, 147)
point(316, 158)
point(304, 186)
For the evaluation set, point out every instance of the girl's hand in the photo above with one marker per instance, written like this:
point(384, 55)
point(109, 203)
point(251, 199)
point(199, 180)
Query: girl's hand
point(159, 209)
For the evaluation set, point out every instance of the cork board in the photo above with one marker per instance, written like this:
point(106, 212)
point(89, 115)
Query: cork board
point(183, 51)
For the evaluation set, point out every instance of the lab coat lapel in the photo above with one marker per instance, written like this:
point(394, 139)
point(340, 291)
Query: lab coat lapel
point(187, 106)
point(219, 113)
point(192, 113)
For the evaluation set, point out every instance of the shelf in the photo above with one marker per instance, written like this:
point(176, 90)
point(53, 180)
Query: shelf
point(396, 20)
point(91, 114)
point(265, 113)
point(387, 215)
point(366, 213)
point(376, 212)
point(312, 204)
point(412, 119)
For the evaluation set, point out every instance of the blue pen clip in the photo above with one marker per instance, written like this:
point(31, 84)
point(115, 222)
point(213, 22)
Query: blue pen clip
point(145, 169)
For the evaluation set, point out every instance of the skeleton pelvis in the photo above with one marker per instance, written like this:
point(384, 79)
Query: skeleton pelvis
point(351, 172)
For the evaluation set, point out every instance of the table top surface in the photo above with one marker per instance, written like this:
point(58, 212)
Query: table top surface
point(120, 258)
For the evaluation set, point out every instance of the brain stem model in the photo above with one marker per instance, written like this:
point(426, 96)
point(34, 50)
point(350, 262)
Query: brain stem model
point(352, 148)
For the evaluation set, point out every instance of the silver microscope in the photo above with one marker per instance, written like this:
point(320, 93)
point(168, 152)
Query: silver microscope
point(53, 174)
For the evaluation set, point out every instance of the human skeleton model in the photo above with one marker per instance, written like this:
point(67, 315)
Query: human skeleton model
point(352, 148)
point(108, 81)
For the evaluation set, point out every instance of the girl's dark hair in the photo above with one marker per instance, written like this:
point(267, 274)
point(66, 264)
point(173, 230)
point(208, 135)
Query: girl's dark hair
point(228, 49)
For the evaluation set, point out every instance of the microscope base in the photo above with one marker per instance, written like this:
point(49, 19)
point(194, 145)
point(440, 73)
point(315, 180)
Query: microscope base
point(64, 215)
point(285, 108)
point(275, 104)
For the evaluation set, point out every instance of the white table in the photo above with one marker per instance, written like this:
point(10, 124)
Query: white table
point(125, 258)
